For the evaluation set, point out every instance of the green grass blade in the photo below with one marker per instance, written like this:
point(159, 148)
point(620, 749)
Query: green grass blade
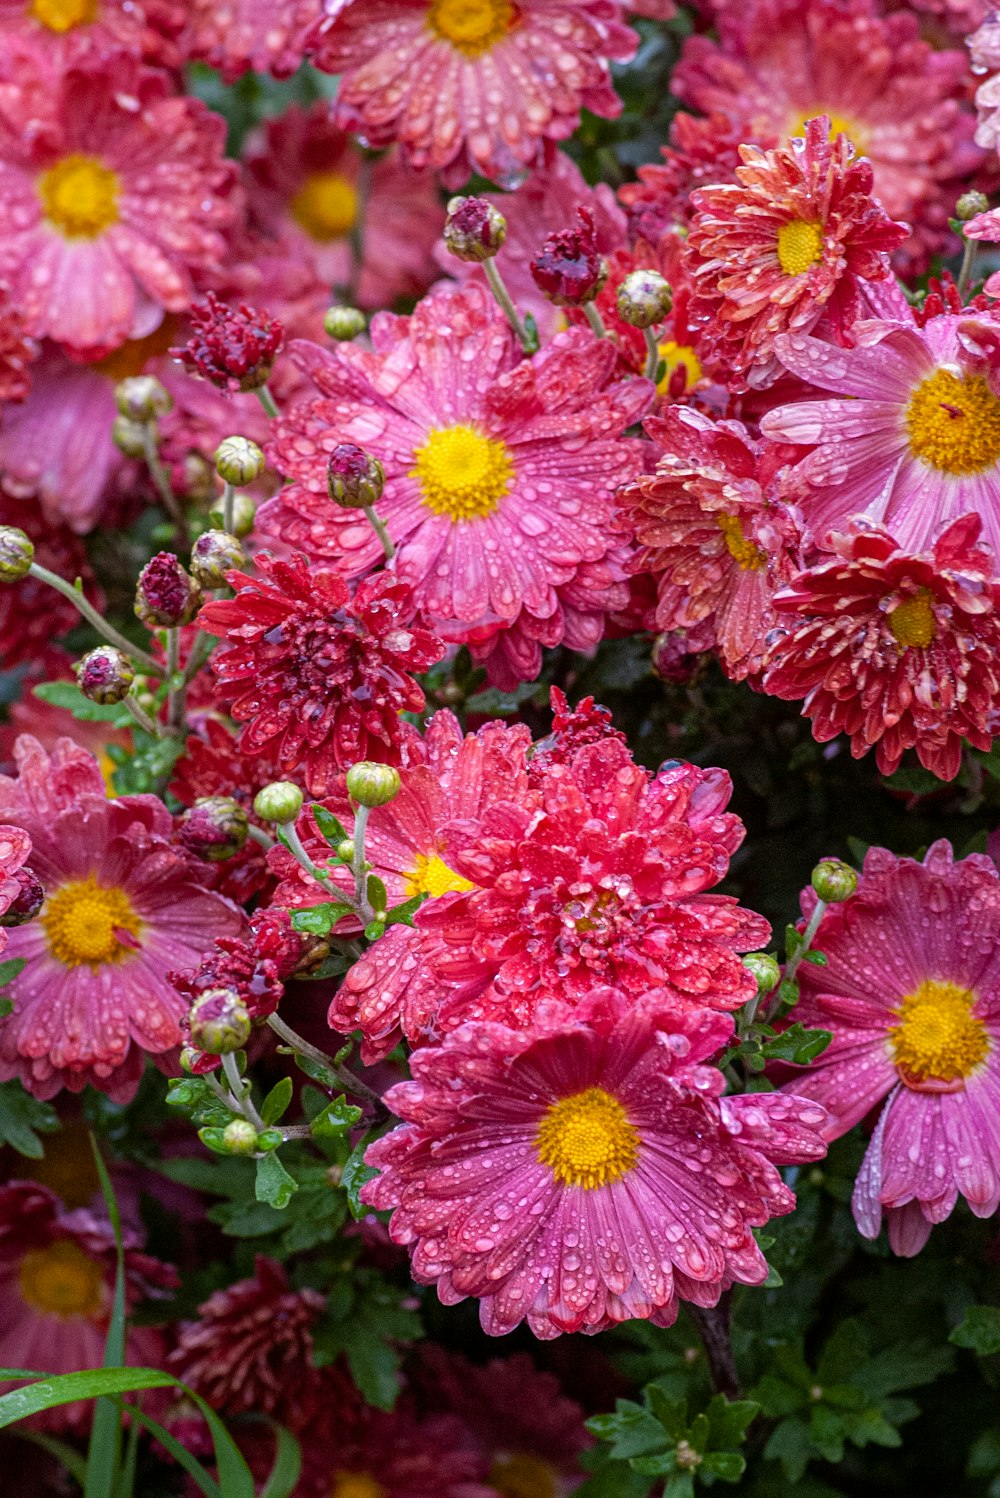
point(104, 1450)
point(192, 1466)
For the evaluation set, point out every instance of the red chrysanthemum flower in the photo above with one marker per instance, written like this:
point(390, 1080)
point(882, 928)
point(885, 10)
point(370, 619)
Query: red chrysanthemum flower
point(234, 348)
point(897, 650)
point(785, 245)
point(31, 614)
point(500, 474)
point(250, 1351)
point(371, 1453)
point(235, 35)
point(713, 535)
point(586, 1171)
point(569, 269)
point(17, 351)
point(318, 678)
point(701, 153)
point(112, 194)
point(475, 86)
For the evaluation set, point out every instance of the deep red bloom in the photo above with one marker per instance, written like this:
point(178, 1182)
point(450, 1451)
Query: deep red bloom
point(234, 348)
point(254, 965)
point(317, 677)
point(569, 269)
point(701, 153)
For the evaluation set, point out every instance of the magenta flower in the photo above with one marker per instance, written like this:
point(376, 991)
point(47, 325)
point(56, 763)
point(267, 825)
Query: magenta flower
point(586, 1171)
point(911, 993)
point(266, 35)
point(15, 848)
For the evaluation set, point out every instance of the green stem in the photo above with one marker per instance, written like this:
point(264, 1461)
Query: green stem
point(807, 939)
point(294, 845)
point(969, 251)
point(363, 188)
point(378, 526)
point(240, 1088)
point(228, 504)
point(652, 354)
point(162, 483)
point(267, 401)
point(359, 868)
point(260, 837)
point(506, 304)
point(343, 1077)
point(75, 596)
point(592, 315)
point(141, 717)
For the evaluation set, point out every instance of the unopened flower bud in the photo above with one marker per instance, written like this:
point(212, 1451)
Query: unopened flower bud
point(220, 1022)
point(214, 828)
point(344, 323)
point(345, 850)
point(474, 229)
point(213, 555)
point(129, 437)
point(764, 968)
point(371, 784)
point(234, 348)
point(239, 461)
point(27, 902)
point(189, 1058)
point(281, 801)
point(244, 515)
point(354, 479)
point(239, 1137)
point(834, 881)
point(166, 595)
point(686, 1456)
point(105, 675)
point(569, 270)
point(970, 204)
point(142, 398)
point(644, 298)
point(16, 554)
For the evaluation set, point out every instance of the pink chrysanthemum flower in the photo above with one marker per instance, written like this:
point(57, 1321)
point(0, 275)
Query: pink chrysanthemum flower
point(912, 440)
point(318, 678)
point(15, 847)
point(235, 35)
point(713, 535)
point(123, 907)
point(911, 992)
point(984, 55)
point(899, 651)
point(17, 351)
point(586, 1171)
point(305, 173)
point(778, 63)
point(500, 474)
point(150, 28)
point(113, 194)
point(471, 85)
point(700, 153)
point(57, 1275)
point(785, 245)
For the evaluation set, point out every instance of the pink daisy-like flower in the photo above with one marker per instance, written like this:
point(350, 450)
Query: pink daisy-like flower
point(15, 848)
point(123, 907)
point(57, 1276)
point(778, 63)
point(113, 193)
point(897, 650)
point(711, 532)
point(911, 993)
point(700, 153)
point(268, 36)
point(984, 55)
point(500, 474)
point(305, 173)
point(586, 1171)
point(471, 85)
point(150, 28)
point(785, 245)
point(912, 440)
point(17, 351)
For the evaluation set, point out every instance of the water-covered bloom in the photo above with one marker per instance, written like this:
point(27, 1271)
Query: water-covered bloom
point(149, 28)
point(984, 55)
point(899, 650)
point(234, 348)
point(317, 677)
point(17, 351)
point(712, 533)
point(265, 35)
point(114, 194)
point(910, 437)
point(122, 907)
point(911, 993)
point(500, 474)
point(785, 245)
point(471, 85)
point(250, 1350)
point(57, 1276)
point(586, 1171)
point(15, 846)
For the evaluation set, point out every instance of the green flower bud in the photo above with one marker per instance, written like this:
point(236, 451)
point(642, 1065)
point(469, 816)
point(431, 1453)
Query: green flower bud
point(969, 204)
point(220, 1022)
point(281, 801)
point(16, 554)
point(345, 850)
point(834, 881)
point(142, 398)
point(371, 784)
point(214, 828)
point(213, 555)
point(129, 437)
point(644, 298)
point(244, 515)
point(344, 323)
point(105, 675)
point(764, 968)
point(354, 479)
point(239, 461)
point(240, 1137)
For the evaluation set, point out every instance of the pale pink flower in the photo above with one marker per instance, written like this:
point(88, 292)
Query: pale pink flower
point(235, 35)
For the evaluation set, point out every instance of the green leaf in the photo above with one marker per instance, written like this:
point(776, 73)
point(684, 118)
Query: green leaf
point(277, 1100)
point(319, 920)
point(797, 1044)
point(728, 1419)
point(275, 1186)
point(180, 1454)
point(10, 969)
point(333, 830)
point(402, 915)
point(20, 1116)
point(336, 1119)
point(980, 1330)
point(284, 1475)
point(378, 896)
point(727, 1466)
point(103, 1451)
point(71, 1459)
point(789, 1444)
point(67, 694)
point(355, 1174)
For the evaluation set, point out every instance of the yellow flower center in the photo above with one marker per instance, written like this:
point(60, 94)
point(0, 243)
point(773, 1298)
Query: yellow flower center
point(63, 15)
point(800, 245)
point(325, 206)
point(936, 1034)
point(133, 356)
point(679, 356)
point(84, 922)
point(523, 1476)
point(587, 1140)
point(432, 876)
point(471, 26)
point(463, 474)
point(747, 553)
point(61, 1281)
point(356, 1485)
point(840, 124)
point(953, 422)
point(80, 196)
point(912, 622)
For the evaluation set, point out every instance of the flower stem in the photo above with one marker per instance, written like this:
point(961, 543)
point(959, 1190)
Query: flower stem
point(378, 526)
point(969, 251)
point(652, 354)
point(260, 837)
point(162, 483)
point(75, 596)
point(267, 401)
point(712, 1323)
point(363, 189)
point(505, 302)
point(808, 936)
point(228, 505)
point(592, 315)
point(342, 1076)
point(294, 845)
point(358, 867)
point(240, 1088)
point(142, 718)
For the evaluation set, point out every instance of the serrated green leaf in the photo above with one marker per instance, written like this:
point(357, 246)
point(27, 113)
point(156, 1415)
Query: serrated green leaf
point(727, 1466)
point(402, 915)
point(274, 1186)
point(336, 1119)
point(319, 920)
point(277, 1101)
point(728, 1419)
point(797, 1044)
point(22, 1118)
point(979, 1330)
point(790, 1445)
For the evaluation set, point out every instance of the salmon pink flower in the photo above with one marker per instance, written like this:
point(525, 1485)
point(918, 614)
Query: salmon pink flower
point(484, 82)
point(122, 907)
point(984, 55)
point(896, 650)
point(266, 35)
point(15, 847)
point(586, 1171)
point(911, 993)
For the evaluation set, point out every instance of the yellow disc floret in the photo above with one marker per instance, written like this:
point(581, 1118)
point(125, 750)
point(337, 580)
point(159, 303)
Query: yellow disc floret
point(63, 15)
point(953, 423)
point(84, 922)
point(356, 1485)
point(800, 245)
point(840, 124)
point(432, 876)
point(587, 1140)
point(463, 474)
point(936, 1036)
point(471, 26)
point(325, 206)
point(747, 553)
point(522, 1475)
point(912, 621)
point(61, 1281)
point(79, 196)
point(678, 356)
